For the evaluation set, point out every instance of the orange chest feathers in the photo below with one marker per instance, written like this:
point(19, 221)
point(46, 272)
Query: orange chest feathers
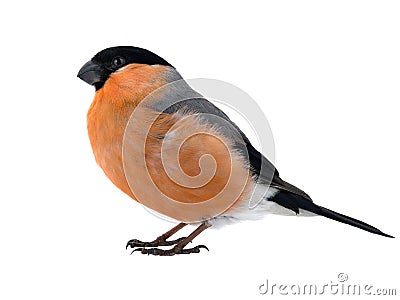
point(109, 114)
point(106, 124)
point(165, 155)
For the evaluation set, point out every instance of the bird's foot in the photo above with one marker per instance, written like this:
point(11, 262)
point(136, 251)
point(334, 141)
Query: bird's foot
point(170, 252)
point(156, 243)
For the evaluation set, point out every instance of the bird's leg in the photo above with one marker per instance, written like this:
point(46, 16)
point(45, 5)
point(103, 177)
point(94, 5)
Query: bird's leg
point(179, 247)
point(160, 241)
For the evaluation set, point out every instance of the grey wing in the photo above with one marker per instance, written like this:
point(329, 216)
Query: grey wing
point(194, 103)
point(180, 97)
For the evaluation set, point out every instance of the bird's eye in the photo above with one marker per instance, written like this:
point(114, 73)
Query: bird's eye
point(118, 61)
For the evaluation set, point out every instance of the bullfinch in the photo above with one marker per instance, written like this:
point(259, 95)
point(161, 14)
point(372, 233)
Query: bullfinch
point(169, 148)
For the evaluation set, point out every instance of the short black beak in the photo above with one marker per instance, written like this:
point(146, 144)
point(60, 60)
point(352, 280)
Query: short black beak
point(93, 74)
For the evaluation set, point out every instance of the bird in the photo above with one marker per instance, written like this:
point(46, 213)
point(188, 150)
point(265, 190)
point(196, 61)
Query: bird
point(169, 148)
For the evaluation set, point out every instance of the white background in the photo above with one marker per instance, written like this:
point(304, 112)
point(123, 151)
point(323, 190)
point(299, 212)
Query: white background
point(326, 74)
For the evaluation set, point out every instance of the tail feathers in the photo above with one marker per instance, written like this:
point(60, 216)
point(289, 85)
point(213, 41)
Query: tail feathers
point(296, 202)
point(348, 220)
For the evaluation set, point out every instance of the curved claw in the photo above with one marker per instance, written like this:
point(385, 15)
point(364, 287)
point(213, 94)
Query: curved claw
point(131, 242)
point(137, 249)
point(193, 250)
point(203, 246)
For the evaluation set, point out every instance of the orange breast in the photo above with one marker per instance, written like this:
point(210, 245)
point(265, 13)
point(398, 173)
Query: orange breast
point(174, 165)
point(109, 113)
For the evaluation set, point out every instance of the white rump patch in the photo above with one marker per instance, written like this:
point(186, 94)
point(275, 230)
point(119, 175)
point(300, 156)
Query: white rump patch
point(262, 206)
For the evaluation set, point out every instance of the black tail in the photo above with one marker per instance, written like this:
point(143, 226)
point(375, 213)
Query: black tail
point(296, 202)
point(348, 220)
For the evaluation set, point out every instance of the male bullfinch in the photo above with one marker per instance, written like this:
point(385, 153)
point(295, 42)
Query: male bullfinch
point(172, 150)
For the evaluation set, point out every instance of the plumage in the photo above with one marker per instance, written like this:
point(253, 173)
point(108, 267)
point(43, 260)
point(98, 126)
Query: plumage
point(144, 108)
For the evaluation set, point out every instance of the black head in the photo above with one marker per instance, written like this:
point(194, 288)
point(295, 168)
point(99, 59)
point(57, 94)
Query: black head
point(98, 69)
